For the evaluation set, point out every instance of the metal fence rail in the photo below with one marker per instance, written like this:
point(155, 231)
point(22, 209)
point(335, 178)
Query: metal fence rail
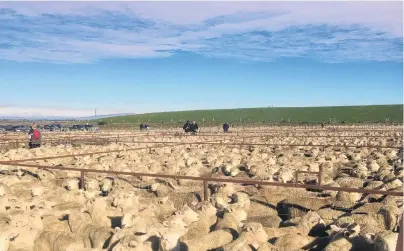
point(205, 180)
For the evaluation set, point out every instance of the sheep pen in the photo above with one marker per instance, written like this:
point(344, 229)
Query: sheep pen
point(209, 210)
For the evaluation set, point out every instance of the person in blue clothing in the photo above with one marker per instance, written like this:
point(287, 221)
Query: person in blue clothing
point(226, 127)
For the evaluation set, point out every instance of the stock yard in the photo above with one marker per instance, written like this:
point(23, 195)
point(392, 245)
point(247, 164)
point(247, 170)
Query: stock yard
point(284, 188)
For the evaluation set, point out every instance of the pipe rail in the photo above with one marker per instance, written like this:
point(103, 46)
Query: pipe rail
point(209, 179)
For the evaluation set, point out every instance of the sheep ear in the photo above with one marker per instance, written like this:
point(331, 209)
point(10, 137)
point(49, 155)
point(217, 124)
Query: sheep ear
point(165, 199)
point(13, 235)
point(371, 236)
point(335, 228)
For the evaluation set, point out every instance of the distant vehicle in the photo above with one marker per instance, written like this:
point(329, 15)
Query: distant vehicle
point(91, 128)
point(9, 128)
point(21, 128)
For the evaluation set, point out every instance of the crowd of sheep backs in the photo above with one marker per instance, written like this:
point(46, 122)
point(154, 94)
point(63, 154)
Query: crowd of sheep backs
point(46, 208)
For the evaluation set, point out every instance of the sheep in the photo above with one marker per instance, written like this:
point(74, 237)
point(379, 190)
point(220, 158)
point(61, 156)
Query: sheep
point(384, 241)
point(233, 219)
point(93, 235)
point(36, 191)
point(207, 218)
point(106, 186)
point(97, 208)
point(72, 184)
point(6, 238)
point(298, 206)
point(54, 223)
point(252, 234)
point(267, 247)
point(346, 200)
point(242, 199)
point(212, 240)
point(91, 185)
point(4, 190)
point(348, 239)
point(293, 242)
point(57, 241)
point(189, 215)
point(308, 222)
point(126, 200)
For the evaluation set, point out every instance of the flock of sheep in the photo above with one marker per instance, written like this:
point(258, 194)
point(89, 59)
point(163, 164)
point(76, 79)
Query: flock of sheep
point(47, 210)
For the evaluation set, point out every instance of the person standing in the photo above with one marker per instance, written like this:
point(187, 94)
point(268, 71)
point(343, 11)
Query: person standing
point(34, 137)
point(186, 126)
point(194, 127)
point(226, 127)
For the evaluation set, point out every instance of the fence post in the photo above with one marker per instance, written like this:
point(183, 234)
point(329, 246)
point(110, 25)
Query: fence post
point(320, 175)
point(205, 190)
point(297, 176)
point(399, 246)
point(82, 180)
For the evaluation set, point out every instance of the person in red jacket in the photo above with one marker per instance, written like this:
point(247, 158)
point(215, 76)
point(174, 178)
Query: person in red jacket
point(34, 137)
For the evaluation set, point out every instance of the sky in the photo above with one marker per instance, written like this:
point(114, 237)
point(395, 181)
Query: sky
point(70, 58)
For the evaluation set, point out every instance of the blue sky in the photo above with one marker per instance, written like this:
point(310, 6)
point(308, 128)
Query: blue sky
point(68, 58)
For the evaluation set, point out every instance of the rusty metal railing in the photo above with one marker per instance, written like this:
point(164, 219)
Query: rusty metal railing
point(205, 180)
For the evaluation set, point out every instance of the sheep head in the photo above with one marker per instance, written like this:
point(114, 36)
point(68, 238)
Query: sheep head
point(188, 214)
point(255, 234)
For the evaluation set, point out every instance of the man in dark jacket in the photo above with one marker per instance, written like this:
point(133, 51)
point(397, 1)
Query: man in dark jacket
point(34, 137)
point(186, 126)
point(193, 127)
point(226, 127)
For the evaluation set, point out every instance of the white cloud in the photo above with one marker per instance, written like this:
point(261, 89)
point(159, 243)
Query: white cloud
point(84, 32)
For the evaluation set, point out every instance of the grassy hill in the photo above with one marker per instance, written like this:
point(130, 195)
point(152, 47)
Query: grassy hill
point(333, 114)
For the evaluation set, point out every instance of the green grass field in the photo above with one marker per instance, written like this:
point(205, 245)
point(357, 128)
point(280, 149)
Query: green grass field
point(336, 114)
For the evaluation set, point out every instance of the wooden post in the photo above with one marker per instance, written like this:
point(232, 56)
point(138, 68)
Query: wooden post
point(82, 180)
point(205, 190)
point(320, 175)
point(296, 176)
point(400, 245)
